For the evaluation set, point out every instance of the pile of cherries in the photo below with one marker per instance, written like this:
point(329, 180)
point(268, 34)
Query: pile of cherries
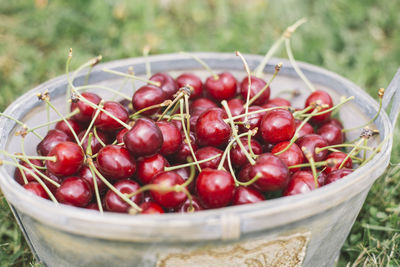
point(162, 151)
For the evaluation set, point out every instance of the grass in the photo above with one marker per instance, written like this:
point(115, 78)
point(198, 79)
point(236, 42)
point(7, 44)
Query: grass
point(357, 39)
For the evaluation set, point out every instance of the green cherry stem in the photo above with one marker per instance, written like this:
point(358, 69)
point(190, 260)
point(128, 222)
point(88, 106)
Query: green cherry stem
point(163, 104)
point(256, 112)
point(97, 136)
point(68, 116)
point(21, 124)
point(246, 67)
point(342, 102)
point(356, 148)
point(89, 128)
point(228, 147)
point(310, 159)
point(189, 164)
point(158, 84)
point(20, 170)
point(96, 187)
point(146, 51)
point(202, 63)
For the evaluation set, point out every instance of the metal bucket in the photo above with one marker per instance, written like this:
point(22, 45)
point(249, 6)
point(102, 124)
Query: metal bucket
point(301, 230)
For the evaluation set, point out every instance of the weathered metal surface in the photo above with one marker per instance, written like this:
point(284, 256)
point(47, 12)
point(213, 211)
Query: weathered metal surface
point(317, 223)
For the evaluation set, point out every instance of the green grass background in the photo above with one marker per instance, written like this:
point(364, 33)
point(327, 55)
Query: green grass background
point(357, 39)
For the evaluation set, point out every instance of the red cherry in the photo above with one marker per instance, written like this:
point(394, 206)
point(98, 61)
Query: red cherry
point(238, 158)
point(224, 87)
point(236, 106)
point(202, 104)
point(86, 174)
point(95, 144)
point(196, 205)
point(215, 188)
point(92, 206)
point(120, 135)
point(301, 182)
point(105, 122)
point(116, 162)
point(321, 98)
point(305, 129)
point(277, 126)
point(274, 173)
point(246, 195)
point(53, 177)
point(85, 111)
point(339, 157)
point(244, 173)
point(147, 96)
point(211, 129)
point(292, 156)
point(278, 102)
point(257, 85)
point(37, 189)
point(335, 122)
point(168, 84)
point(62, 126)
point(151, 208)
point(253, 120)
point(52, 138)
point(184, 151)
point(148, 167)
point(74, 191)
point(192, 80)
point(69, 159)
point(144, 139)
point(208, 152)
point(185, 174)
point(332, 134)
point(172, 137)
point(169, 199)
point(127, 104)
point(336, 175)
point(311, 142)
point(29, 177)
point(116, 204)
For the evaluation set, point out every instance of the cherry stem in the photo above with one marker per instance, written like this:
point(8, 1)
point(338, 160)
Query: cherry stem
point(365, 143)
point(303, 165)
point(228, 147)
point(96, 188)
point(186, 97)
point(192, 174)
point(310, 159)
point(298, 113)
point(205, 66)
point(70, 82)
point(246, 67)
point(146, 51)
point(319, 149)
point(172, 104)
point(163, 104)
point(97, 136)
point(158, 84)
point(54, 159)
point(21, 124)
point(68, 116)
point(250, 134)
point(352, 157)
point(191, 163)
point(342, 102)
point(101, 104)
point(256, 112)
point(109, 89)
point(356, 147)
point(377, 149)
point(231, 170)
point(21, 171)
point(251, 181)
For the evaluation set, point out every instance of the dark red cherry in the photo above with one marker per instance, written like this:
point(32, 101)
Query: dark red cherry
point(85, 110)
point(321, 98)
point(332, 134)
point(146, 96)
point(168, 199)
point(311, 142)
point(144, 139)
point(127, 105)
point(120, 136)
point(246, 195)
point(301, 182)
point(335, 122)
point(202, 104)
point(29, 177)
point(151, 208)
point(192, 80)
point(274, 173)
point(53, 177)
point(211, 129)
point(196, 205)
point(244, 173)
point(168, 84)
point(116, 204)
point(37, 189)
point(305, 129)
point(257, 85)
point(116, 162)
point(62, 126)
point(277, 102)
point(172, 137)
point(178, 124)
point(336, 175)
point(107, 123)
point(253, 120)
point(292, 156)
point(224, 87)
point(86, 175)
point(95, 144)
point(236, 106)
point(92, 206)
point(208, 152)
point(277, 126)
point(184, 150)
point(339, 158)
point(52, 138)
point(148, 167)
point(215, 188)
point(238, 158)
point(185, 174)
point(69, 159)
point(74, 191)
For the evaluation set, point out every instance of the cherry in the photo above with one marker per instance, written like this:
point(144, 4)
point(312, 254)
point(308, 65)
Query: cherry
point(144, 139)
point(208, 152)
point(116, 162)
point(277, 126)
point(196, 205)
point(224, 87)
point(336, 175)
point(86, 174)
point(292, 156)
point(151, 208)
point(320, 98)
point(29, 177)
point(253, 120)
point(178, 124)
point(305, 129)
point(62, 126)
point(185, 174)
point(200, 105)
point(335, 122)
point(74, 191)
point(127, 105)
point(311, 142)
point(244, 173)
point(168, 84)
point(105, 122)
point(192, 80)
point(332, 133)
point(116, 204)
point(85, 111)
point(120, 135)
point(69, 159)
point(95, 144)
point(168, 199)
point(148, 167)
point(246, 195)
point(184, 150)
point(52, 138)
point(273, 172)
point(301, 182)
point(53, 177)
point(277, 102)
point(215, 188)
point(236, 106)
point(172, 137)
point(211, 129)
point(37, 189)
point(238, 158)
point(146, 96)
point(257, 85)
point(92, 206)
point(339, 157)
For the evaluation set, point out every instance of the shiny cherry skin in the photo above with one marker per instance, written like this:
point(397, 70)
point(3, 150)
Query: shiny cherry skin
point(311, 142)
point(253, 120)
point(202, 104)
point(53, 177)
point(144, 138)
point(185, 174)
point(69, 159)
point(246, 195)
point(74, 191)
point(338, 174)
point(257, 85)
point(168, 84)
point(277, 126)
point(277, 102)
point(292, 156)
point(29, 177)
point(211, 129)
point(172, 137)
point(105, 122)
point(334, 122)
point(85, 111)
point(86, 175)
point(305, 129)
point(244, 173)
point(62, 126)
point(95, 144)
point(37, 189)
point(215, 188)
point(148, 167)
point(236, 106)
point(196, 205)
point(193, 81)
point(301, 182)
point(53, 138)
point(332, 134)
point(115, 162)
point(339, 157)
point(238, 158)
point(116, 204)
point(208, 152)
point(146, 96)
point(274, 173)
point(120, 135)
point(184, 150)
point(171, 199)
point(322, 98)
point(224, 87)
point(151, 208)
